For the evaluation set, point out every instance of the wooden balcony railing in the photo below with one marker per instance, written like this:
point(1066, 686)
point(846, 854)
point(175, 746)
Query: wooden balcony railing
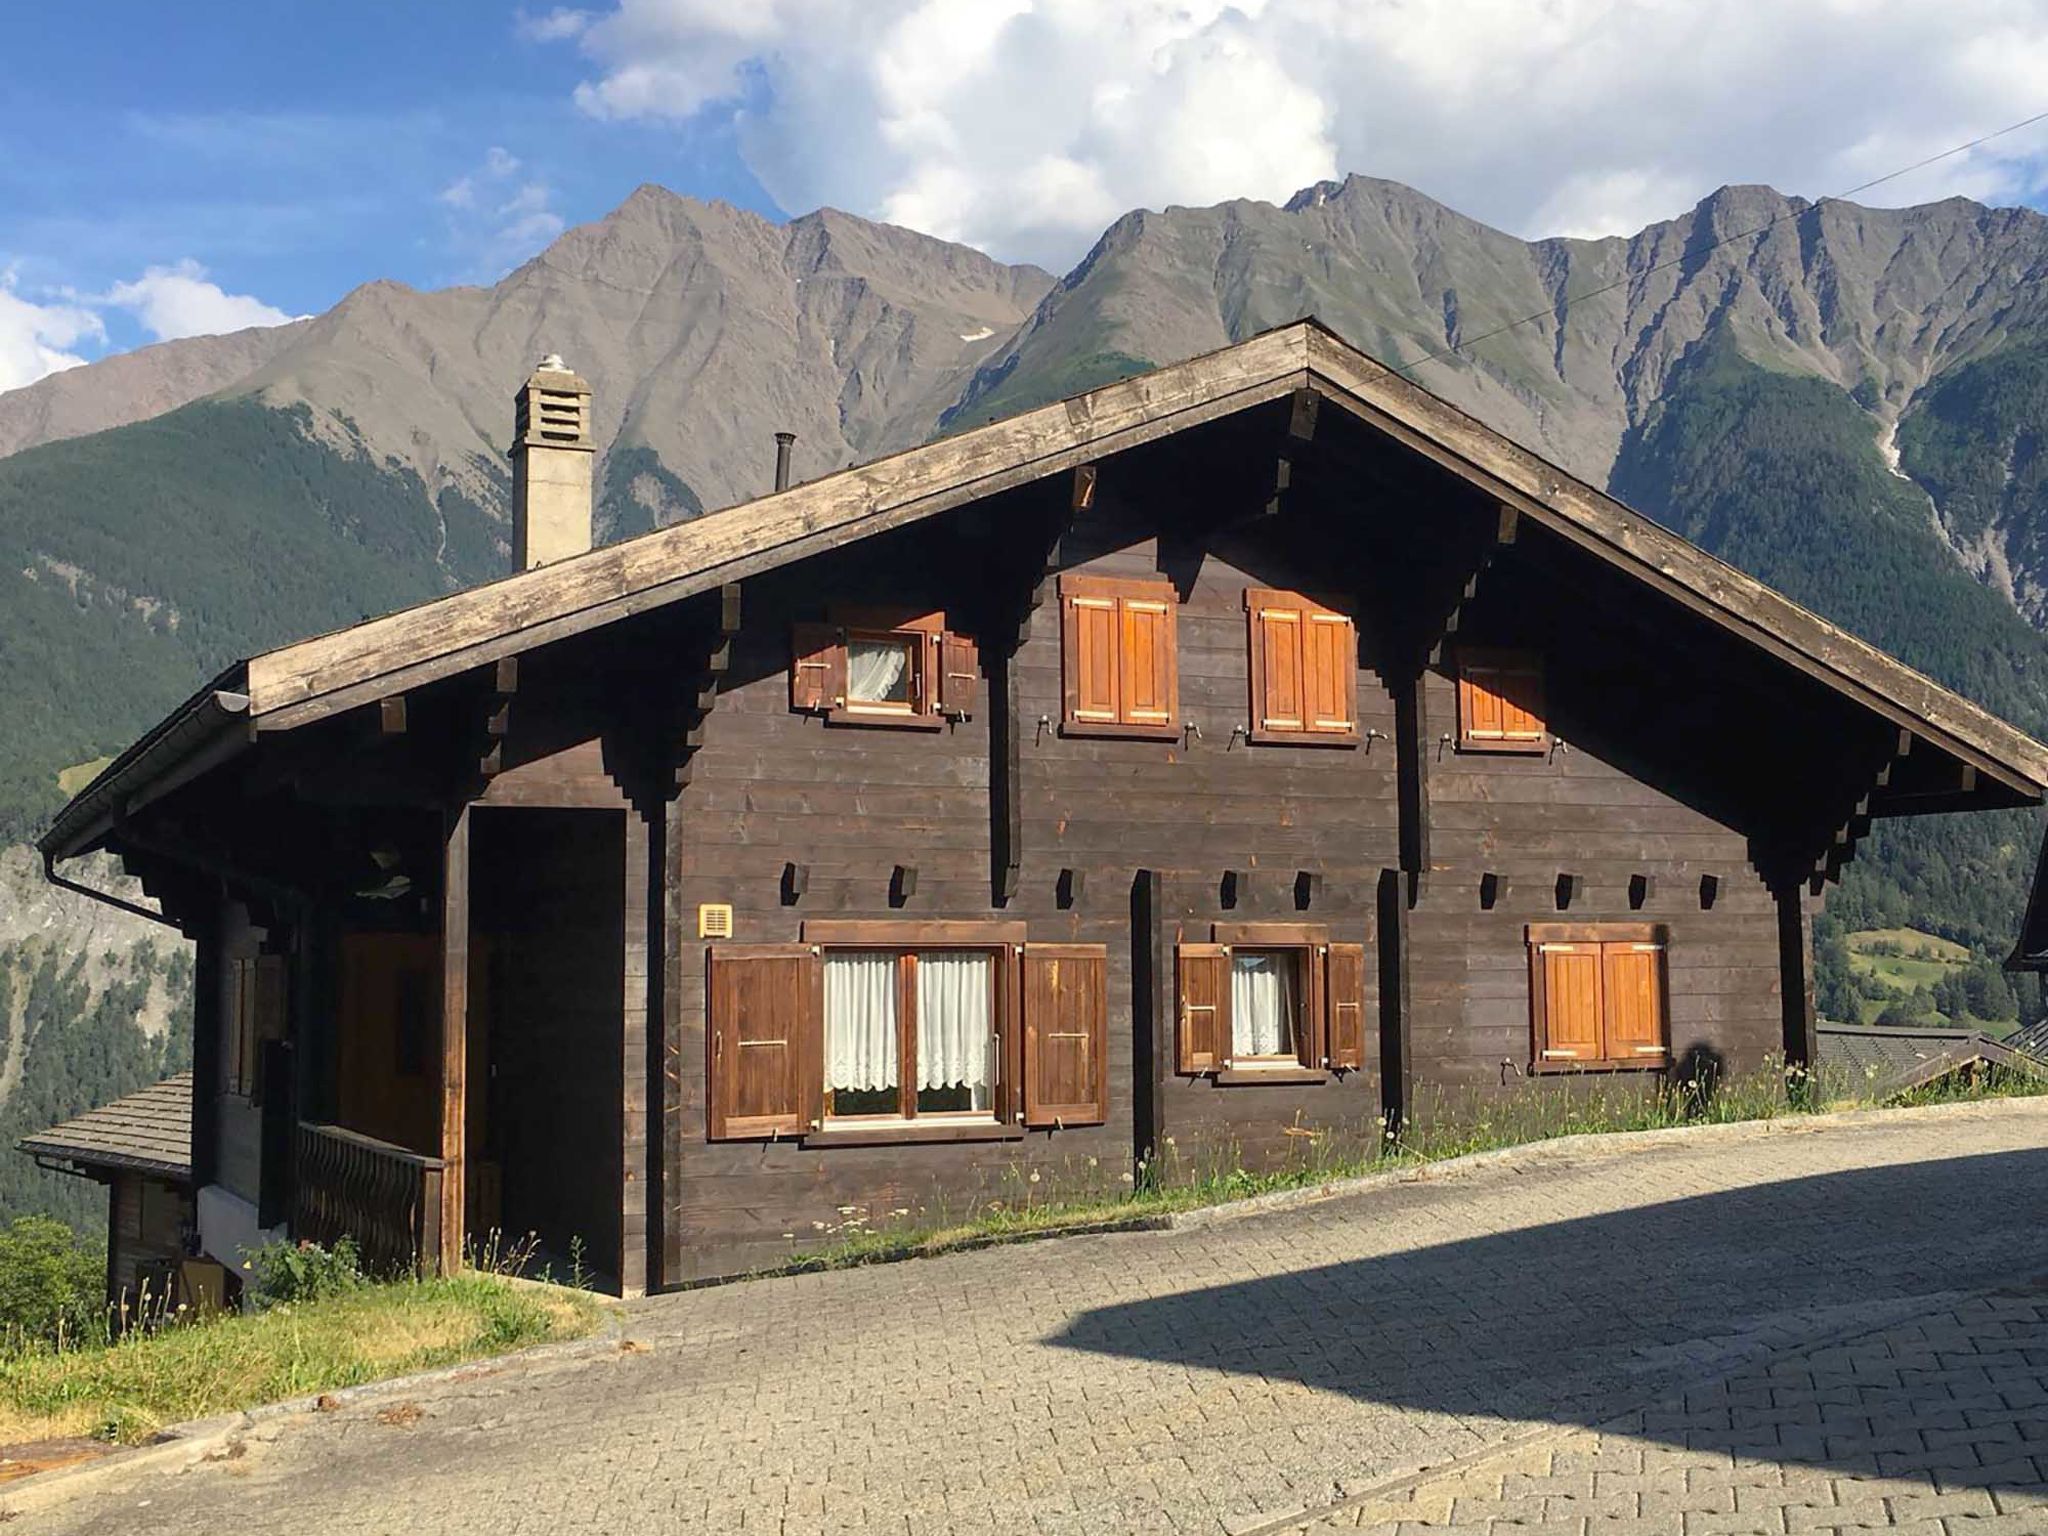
point(387, 1198)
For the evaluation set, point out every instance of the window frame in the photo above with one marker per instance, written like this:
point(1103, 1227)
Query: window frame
point(1258, 601)
point(1079, 586)
point(1002, 942)
point(1597, 937)
point(1497, 660)
point(1309, 944)
point(260, 1004)
point(923, 631)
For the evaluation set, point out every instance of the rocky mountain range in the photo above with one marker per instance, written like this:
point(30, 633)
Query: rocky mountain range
point(1848, 401)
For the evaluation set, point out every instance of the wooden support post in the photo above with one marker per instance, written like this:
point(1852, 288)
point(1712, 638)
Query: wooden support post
point(1394, 1004)
point(454, 1039)
point(1152, 1015)
point(1795, 973)
point(1412, 750)
point(209, 1040)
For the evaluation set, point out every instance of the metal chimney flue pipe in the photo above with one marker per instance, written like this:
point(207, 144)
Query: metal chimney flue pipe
point(784, 441)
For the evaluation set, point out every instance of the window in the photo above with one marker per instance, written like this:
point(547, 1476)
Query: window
point(1500, 702)
point(1267, 999)
point(910, 1033)
point(1117, 650)
point(1304, 670)
point(877, 667)
point(897, 1030)
point(1596, 996)
point(258, 1015)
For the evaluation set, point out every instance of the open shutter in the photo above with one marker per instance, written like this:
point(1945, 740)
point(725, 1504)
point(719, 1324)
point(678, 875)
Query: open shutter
point(817, 673)
point(243, 1014)
point(1345, 991)
point(1329, 648)
point(1066, 1008)
point(1203, 1037)
point(1146, 677)
point(266, 1019)
point(1090, 654)
point(1277, 639)
point(1634, 995)
point(766, 1016)
point(1569, 1028)
point(959, 674)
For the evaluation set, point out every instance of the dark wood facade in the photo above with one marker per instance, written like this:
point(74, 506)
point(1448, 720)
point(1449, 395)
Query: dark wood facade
point(497, 870)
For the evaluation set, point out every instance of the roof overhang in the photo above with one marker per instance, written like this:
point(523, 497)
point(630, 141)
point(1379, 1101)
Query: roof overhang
point(316, 678)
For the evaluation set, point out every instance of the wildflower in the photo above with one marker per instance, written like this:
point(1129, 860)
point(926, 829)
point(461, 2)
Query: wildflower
point(1092, 1163)
point(1128, 1177)
point(1034, 1175)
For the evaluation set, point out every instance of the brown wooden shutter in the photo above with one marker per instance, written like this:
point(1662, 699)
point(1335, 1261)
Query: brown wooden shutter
point(766, 1016)
point(1521, 693)
point(1330, 673)
point(1277, 643)
point(1480, 709)
point(959, 674)
point(1203, 1037)
point(239, 1045)
point(1345, 991)
point(817, 673)
point(1569, 1026)
point(1147, 675)
point(1634, 994)
point(1090, 654)
point(1066, 1027)
point(1500, 700)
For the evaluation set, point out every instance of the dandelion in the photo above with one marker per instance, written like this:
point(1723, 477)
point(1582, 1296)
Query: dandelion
point(1034, 1175)
point(1092, 1163)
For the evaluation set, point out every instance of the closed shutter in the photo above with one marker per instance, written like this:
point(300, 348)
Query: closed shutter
point(959, 674)
point(1066, 1007)
point(817, 673)
point(766, 1016)
point(1500, 701)
point(1346, 993)
point(1091, 659)
point(1203, 1037)
point(1146, 676)
point(1330, 673)
point(1570, 1023)
point(1634, 995)
point(1276, 631)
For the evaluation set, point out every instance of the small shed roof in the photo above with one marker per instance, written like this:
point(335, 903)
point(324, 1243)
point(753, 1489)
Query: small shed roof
point(146, 1132)
point(1886, 1059)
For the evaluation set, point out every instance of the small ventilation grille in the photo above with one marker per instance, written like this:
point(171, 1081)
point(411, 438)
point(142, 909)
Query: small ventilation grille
point(714, 921)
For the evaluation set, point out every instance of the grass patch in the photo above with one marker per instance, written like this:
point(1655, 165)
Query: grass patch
point(127, 1391)
point(1025, 1205)
point(71, 780)
point(1908, 941)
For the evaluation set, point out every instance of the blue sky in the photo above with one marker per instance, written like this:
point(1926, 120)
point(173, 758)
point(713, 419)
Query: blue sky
point(173, 170)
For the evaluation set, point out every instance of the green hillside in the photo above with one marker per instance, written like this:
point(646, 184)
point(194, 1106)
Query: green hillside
point(139, 561)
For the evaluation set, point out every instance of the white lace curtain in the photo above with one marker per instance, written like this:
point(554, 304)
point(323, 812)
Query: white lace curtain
point(955, 1022)
point(860, 1022)
point(1262, 990)
point(877, 671)
point(954, 998)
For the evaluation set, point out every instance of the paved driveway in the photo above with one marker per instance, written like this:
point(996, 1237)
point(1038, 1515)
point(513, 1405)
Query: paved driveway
point(1254, 1372)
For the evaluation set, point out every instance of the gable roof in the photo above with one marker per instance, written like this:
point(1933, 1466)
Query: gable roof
point(1878, 1061)
point(146, 1132)
point(312, 679)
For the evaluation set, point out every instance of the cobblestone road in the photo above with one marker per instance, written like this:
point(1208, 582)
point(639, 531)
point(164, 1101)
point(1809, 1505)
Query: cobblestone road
point(1275, 1371)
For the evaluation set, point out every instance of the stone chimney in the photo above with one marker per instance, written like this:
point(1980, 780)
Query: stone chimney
point(552, 456)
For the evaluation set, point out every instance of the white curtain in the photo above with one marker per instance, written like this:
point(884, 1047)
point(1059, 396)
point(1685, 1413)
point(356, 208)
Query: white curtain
point(954, 1024)
point(860, 1021)
point(1261, 1004)
point(877, 672)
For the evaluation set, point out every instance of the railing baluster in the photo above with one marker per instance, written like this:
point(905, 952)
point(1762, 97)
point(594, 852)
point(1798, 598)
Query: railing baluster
point(355, 1186)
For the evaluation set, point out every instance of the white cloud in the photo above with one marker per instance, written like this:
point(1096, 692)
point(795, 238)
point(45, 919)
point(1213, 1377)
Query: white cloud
point(498, 214)
point(35, 339)
point(551, 26)
point(1023, 125)
point(179, 300)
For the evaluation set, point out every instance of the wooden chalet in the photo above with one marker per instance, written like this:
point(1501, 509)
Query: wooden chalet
point(1253, 748)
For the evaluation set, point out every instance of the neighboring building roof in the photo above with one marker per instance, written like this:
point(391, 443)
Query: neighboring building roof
point(146, 1132)
point(1882, 1060)
point(2031, 1041)
point(314, 678)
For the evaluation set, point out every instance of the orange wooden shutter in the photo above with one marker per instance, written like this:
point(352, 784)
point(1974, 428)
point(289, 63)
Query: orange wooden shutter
point(1066, 1027)
point(1481, 710)
point(1521, 694)
point(1634, 993)
point(959, 673)
point(1203, 1037)
point(1570, 1026)
point(1500, 700)
point(766, 1019)
point(1090, 655)
point(1346, 994)
point(817, 673)
point(1277, 632)
point(1329, 646)
point(1146, 677)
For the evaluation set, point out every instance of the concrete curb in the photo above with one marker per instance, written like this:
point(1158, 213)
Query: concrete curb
point(1569, 1149)
point(180, 1447)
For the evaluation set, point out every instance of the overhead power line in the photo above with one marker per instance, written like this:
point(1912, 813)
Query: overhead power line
point(1747, 234)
